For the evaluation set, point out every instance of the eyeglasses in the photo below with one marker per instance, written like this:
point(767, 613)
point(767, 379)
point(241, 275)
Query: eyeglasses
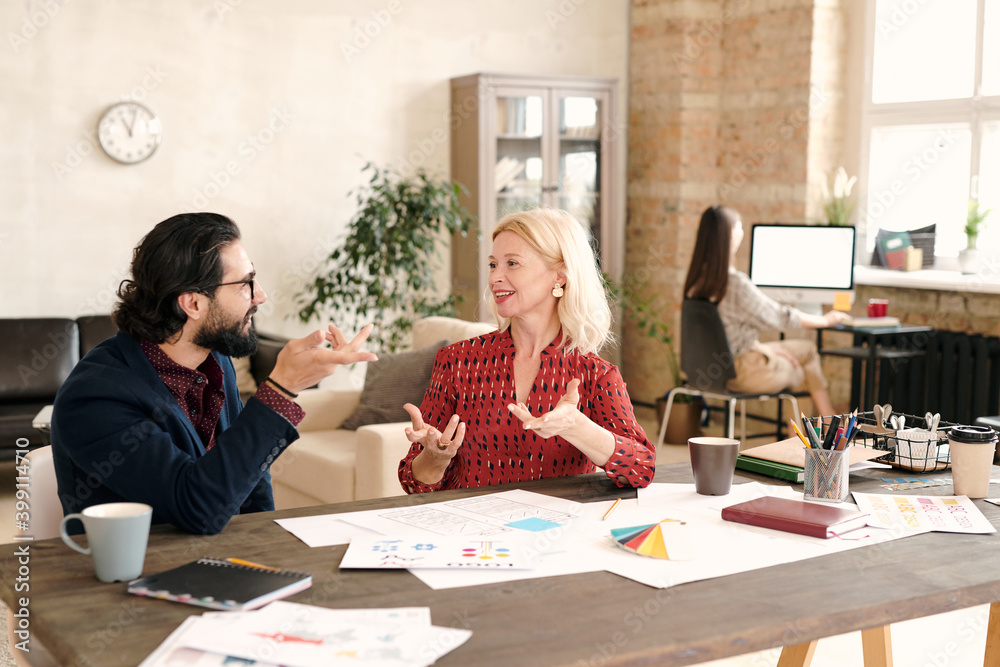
point(248, 281)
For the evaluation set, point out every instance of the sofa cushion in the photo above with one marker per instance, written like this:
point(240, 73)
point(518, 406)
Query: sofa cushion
point(318, 466)
point(390, 382)
point(430, 329)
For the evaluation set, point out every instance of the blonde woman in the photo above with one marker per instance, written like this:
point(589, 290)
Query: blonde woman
point(533, 399)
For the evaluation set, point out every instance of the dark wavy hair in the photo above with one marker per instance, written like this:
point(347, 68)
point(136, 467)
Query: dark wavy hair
point(180, 255)
point(708, 273)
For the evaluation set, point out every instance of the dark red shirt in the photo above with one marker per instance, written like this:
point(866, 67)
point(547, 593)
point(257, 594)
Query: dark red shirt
point(475, 379)
point(201, 393)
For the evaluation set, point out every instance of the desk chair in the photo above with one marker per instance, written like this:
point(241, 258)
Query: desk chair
point(46, 515)
point(708, 364)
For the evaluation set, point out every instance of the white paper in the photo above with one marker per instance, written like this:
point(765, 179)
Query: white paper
point(493, 515)
point(173, 653)
point(576, 538)
point(389, 552)
point(948, 514)
point(325, 530)
point(715, 541)
point(297, 635)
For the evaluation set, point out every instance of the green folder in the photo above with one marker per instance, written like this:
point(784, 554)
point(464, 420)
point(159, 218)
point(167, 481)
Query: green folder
point(789, 473)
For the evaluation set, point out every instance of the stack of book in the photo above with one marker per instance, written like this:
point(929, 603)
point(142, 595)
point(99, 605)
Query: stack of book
point(786, 459)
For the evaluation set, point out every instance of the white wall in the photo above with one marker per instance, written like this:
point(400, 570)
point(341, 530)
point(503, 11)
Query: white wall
point(218, 72)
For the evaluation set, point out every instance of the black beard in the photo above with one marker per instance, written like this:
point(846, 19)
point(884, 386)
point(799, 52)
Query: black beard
point(227, 337)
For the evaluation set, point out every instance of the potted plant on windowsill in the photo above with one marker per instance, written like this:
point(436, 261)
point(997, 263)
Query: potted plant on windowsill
point(968, 259)
point(685, 413)
point(837, 203)
point(384, 271)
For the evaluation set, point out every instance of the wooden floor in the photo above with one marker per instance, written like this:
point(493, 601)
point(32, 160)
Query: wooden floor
point(957, 639)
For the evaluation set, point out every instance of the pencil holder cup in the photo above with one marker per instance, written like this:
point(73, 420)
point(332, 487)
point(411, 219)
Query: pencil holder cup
point(826, 474)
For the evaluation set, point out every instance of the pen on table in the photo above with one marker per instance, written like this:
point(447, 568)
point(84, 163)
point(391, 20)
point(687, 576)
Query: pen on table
point(611, 509)
point(247, 563)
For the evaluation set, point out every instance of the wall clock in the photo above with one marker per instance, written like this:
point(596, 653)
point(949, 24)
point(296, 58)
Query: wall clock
point(129, 132)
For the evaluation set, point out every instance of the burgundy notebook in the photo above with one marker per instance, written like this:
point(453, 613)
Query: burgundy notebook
point(796, 516)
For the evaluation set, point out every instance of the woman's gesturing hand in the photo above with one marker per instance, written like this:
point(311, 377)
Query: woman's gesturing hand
point(563, 417)
point(439, 445)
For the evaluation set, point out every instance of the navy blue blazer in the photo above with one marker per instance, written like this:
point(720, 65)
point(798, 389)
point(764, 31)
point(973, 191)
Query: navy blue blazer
point(118, 434)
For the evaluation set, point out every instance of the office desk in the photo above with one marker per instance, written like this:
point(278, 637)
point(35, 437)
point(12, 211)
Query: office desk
point(868, 349)
point(583, 619)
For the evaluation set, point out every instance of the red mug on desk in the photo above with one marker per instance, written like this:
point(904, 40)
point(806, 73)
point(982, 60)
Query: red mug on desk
point(878, 307)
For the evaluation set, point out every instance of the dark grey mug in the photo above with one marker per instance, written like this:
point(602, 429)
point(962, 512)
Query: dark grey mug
point(713, 461)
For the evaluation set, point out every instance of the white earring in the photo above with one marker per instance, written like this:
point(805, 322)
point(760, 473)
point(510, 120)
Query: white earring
point(557, 291)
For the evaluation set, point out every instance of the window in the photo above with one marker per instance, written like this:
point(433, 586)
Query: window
point(932, 118)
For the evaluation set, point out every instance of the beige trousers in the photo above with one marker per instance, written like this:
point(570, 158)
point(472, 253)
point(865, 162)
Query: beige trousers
point(766, 369)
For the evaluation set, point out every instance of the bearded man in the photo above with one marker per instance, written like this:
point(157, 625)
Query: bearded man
point(153, 415)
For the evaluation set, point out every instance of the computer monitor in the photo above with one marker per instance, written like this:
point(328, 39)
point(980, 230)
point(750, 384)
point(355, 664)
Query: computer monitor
point(802, 265)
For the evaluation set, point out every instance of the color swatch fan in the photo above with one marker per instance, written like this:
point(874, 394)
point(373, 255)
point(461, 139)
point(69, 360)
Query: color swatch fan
point(667, 539)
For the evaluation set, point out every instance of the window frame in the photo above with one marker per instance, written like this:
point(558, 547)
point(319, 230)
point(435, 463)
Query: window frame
point(977, 110)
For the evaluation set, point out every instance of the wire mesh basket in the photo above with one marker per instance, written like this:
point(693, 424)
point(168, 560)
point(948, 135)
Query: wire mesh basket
point(912, 448)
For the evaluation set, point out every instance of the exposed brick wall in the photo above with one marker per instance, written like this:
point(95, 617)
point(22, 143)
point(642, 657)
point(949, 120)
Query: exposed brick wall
point(727, 105)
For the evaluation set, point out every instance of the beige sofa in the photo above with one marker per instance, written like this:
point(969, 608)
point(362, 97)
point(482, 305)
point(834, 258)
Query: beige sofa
point(328, 464)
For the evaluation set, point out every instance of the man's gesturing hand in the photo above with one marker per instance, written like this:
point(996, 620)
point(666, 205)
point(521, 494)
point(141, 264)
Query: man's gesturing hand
point(303, 362)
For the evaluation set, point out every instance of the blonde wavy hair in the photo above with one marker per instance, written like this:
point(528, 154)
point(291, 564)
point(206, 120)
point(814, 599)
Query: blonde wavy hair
point(564, 245)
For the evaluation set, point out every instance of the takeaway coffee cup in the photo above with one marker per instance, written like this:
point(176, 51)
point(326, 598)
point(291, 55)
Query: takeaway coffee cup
point(713, 461)
point(972, 449)
point(117, 534)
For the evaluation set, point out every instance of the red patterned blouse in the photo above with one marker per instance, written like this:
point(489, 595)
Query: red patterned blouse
point(475, 379)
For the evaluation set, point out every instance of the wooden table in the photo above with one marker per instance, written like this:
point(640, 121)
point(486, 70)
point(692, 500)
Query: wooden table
point(583, 619)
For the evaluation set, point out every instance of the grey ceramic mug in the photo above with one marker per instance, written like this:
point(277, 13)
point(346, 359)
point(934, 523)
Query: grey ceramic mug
point(713, 461)
point(117, 534)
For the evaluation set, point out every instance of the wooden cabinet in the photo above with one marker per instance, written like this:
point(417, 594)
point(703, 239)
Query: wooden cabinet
point(519, 142)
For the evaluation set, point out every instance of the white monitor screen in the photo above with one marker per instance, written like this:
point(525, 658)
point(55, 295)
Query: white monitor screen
point(802, 257)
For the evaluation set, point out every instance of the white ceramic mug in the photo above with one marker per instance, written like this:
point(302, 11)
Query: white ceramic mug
point(117, 534)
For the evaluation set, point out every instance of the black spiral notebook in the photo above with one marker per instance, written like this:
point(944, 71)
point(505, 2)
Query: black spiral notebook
point(222, 583)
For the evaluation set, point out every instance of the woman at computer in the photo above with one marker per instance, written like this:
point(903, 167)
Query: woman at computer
point(533, 399)
point(746, 311)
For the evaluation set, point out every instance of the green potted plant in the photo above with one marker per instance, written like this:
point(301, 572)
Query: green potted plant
point(649, 319)
point(384, 271)
point(975, 219)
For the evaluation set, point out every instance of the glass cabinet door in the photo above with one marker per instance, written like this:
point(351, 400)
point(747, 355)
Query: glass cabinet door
point(519, 169)
point(579, 178)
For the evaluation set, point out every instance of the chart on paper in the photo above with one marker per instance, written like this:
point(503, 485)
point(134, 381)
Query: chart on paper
point(481, 517)
point(501, 514)
point(441, 522)
point(509, 511)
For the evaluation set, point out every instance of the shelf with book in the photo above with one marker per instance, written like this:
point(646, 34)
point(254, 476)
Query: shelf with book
point(557, 132)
